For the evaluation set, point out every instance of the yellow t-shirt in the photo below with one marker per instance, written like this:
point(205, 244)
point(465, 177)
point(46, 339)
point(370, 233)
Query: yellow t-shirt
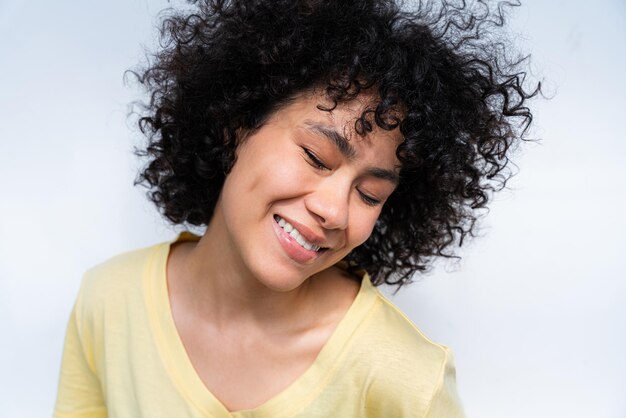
point(123, 358)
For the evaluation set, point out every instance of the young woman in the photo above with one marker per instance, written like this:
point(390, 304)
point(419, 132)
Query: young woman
point(328, 147)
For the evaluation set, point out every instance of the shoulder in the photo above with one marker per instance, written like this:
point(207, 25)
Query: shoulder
point(391, 329)
point(411, 371)
point(402, 344)
point(112, 281)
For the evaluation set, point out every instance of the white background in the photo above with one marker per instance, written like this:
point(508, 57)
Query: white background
point(535, 312)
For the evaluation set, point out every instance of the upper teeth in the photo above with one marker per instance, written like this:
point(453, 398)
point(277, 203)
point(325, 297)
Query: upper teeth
point(295, 234)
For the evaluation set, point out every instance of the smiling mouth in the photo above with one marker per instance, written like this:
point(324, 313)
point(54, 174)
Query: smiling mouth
point(295, 234)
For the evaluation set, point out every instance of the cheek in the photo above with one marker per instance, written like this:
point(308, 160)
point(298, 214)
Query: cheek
point(283, 173)
point(362, 225)
point(257, 170)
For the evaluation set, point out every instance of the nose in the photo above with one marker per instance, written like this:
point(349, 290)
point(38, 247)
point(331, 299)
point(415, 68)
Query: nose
point(329, 203)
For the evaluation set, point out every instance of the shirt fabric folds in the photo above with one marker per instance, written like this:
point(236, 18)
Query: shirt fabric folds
point(123, 357)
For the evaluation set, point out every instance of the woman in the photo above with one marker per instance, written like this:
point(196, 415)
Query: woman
point(328, 147)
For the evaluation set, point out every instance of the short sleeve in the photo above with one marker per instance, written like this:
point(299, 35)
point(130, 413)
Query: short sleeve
point(445, 402)
point(79, 393)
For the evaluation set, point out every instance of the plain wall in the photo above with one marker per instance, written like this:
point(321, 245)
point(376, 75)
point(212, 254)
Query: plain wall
point(535, 312)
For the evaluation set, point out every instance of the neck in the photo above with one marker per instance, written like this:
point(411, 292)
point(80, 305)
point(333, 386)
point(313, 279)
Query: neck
point(213, 281)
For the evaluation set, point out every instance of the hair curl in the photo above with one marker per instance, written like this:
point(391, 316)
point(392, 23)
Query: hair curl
point(225, 65)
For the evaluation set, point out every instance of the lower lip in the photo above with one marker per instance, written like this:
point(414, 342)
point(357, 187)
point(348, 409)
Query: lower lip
point(294, 250)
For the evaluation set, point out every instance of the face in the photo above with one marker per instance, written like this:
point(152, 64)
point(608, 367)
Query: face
point(304, 191)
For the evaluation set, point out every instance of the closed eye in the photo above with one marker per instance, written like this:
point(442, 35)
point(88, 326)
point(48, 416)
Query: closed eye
point(369, 200)
point(313, 160)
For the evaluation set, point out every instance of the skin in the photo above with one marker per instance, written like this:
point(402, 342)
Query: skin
point(239, 293)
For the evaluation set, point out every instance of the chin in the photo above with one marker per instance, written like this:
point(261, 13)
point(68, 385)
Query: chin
point(284, 277)
point(277, 272)
point(284, 284)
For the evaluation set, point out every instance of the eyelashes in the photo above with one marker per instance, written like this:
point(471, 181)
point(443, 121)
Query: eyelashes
point(314, 160)
point(368, 199)
point(317, 163)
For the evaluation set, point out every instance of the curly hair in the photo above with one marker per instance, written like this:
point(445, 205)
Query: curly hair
point(224, 66)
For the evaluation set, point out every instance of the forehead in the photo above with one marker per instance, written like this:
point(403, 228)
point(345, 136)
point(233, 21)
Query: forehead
point(352, 120)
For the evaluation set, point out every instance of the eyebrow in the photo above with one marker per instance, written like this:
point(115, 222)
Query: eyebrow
point(340, 141)
point(348, 151)
point(384, 174)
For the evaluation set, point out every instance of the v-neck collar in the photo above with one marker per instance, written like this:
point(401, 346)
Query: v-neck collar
point(286, 403)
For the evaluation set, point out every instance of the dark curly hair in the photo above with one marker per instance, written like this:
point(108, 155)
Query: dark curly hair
point(225, 65)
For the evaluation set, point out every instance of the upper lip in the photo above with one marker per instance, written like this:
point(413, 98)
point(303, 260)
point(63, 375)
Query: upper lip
point(307, 233)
